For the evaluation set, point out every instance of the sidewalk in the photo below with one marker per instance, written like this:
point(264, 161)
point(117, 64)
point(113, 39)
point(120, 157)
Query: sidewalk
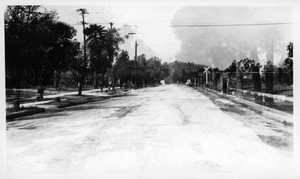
point(42, 106)
point(95, 92)
point(264, 110)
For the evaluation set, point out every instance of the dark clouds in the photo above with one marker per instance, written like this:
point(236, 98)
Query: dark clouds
point(219, 46)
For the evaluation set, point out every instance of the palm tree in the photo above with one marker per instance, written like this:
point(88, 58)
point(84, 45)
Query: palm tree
point(96, 44)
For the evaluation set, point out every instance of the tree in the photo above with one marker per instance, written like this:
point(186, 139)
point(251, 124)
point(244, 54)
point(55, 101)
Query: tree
point(288, 63)
point(138, 68)
point(21, 23)
point(121, 68)
point(165, 70)
point(256, 77)
point(32, 39)
point(269, 70)
point(61, 50)
point(113, 40)
point(290, 50)
point(183, 77)
point(103, 47)
point(174, 71)
point(231, 69)
point(153, 71)
point(78, 65)
point(97, 53)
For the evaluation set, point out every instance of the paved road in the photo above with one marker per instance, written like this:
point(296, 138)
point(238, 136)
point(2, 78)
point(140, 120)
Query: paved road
point(166, 129)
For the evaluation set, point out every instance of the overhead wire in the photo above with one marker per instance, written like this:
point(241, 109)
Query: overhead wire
point(224, 25)
point(73, 12)
point(67, 11)
point(71, 15)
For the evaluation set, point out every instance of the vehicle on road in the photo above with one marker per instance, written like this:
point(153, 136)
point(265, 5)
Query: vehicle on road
point(189, 83)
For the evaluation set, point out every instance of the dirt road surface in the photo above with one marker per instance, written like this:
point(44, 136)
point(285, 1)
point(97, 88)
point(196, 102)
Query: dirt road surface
point(165, 129)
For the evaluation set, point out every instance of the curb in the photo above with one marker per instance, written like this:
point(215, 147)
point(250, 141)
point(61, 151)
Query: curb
point(274, 96)
point(69, 104)
point(89, 101)
point(11, 116)
point(263, 110)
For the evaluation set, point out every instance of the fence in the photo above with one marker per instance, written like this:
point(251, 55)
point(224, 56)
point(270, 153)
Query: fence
point(270, 89)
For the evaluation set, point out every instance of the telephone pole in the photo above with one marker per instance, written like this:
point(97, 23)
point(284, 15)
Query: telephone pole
point(83, 12)
point(206, 71)
point(111, 24)
point(87, 65)
point(135, 50)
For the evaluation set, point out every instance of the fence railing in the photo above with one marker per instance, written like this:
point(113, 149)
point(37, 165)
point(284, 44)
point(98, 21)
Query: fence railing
point(275, 92)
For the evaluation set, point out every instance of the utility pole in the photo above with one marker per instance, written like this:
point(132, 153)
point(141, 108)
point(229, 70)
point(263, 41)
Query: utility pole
point(111, 24)
point(111, 80)
point(135, 50)
point(83, 12)
point(206, 71)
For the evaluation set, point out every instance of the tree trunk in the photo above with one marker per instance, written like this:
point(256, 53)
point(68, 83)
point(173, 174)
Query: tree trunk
point(257, 84)
point(96, 80)
point(17, 91)
point(57, 75)
point(121, 83)
point(270, 83)
point(239, 83)
point(101, 81)
point(113, 82)
point(80, 85)
point(40, 92)
point(17, 99)
point(256, 79)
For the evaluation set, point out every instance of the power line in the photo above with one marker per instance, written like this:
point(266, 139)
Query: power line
point(224, 25)
point(73, 12)
point(140, 22)
point(69, 13)
point(83, 12)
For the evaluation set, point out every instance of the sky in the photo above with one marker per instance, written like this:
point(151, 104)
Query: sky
point(156, 36)
point(233, 33)
point(150, 23)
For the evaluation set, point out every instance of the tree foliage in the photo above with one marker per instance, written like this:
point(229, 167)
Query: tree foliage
point(122, 68)
point(35, 45)
point(181, 71)
point(141, 71)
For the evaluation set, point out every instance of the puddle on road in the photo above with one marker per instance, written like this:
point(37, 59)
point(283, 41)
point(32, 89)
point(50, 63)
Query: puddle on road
point(185, 118)
point(123, 111)
point(275, 141)
point(23, 126)
point(282, 132)
point(233, 109)
point(32, 127)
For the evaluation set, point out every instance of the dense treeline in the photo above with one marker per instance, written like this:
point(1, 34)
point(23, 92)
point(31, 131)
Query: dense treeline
point(36, 45)
point(42, 51)
point(181, 71)
point(246, 72)
point(139, 72)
